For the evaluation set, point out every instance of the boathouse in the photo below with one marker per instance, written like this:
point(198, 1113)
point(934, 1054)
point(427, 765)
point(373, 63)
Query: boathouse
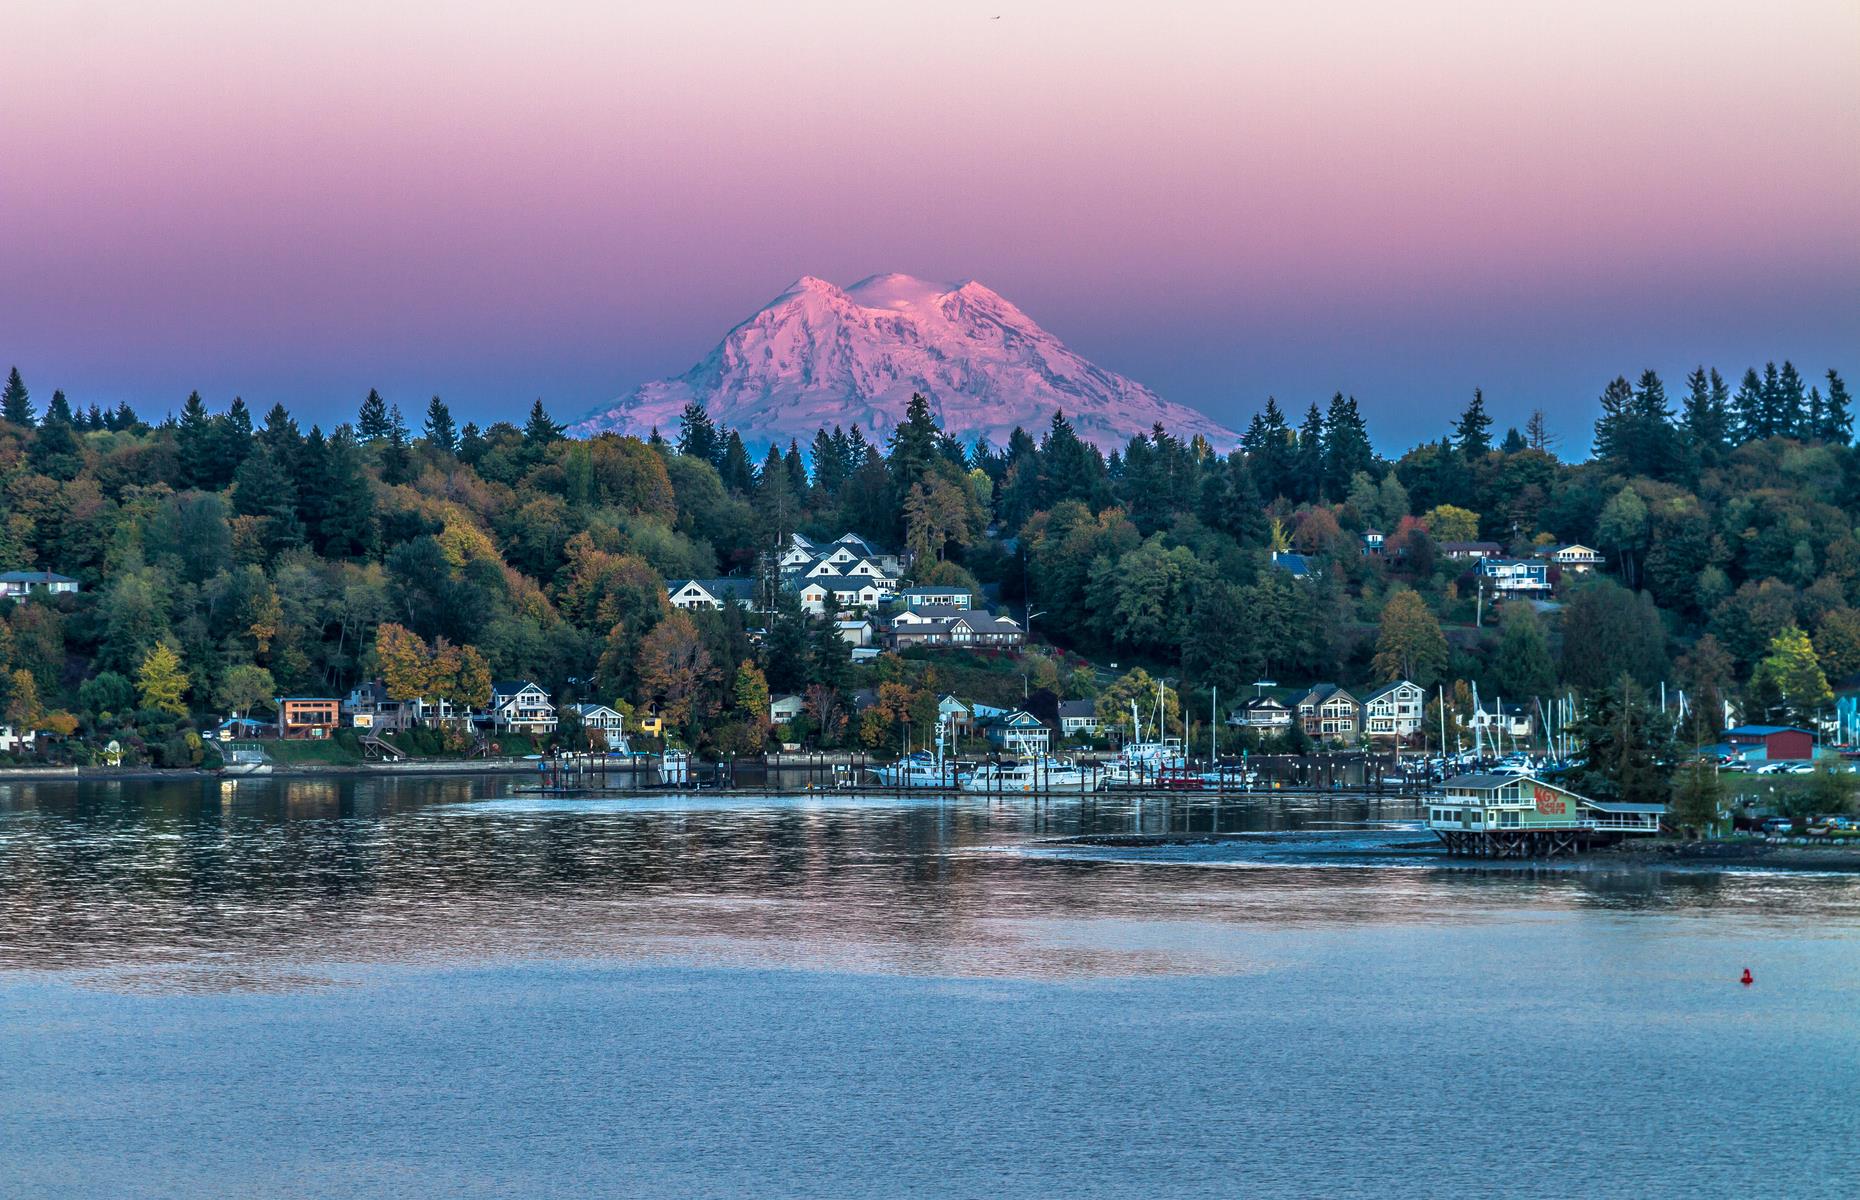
point(1521, 816)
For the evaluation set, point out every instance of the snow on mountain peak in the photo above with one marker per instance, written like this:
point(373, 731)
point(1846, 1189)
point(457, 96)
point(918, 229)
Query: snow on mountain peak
point(819, 356)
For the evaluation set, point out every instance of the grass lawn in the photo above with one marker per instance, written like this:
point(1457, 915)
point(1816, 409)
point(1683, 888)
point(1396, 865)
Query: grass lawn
point(327, 752)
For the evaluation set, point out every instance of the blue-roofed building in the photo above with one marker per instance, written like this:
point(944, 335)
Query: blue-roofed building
point(1297, 565)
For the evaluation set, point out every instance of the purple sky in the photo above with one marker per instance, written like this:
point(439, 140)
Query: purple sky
point(499, 201)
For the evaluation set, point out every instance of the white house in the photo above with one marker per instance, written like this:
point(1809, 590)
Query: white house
point(1394, 711)
point(12, 742)
point(521, 706)
point(857, 631)
point(783, 709)
point(20, 584)
point(1574, 557)
point(1021, 732)
point(711, 593)
point(599, 718)
point(1261, 712)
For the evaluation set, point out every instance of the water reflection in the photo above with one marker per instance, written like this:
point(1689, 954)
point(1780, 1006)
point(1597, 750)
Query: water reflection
point(239, 884)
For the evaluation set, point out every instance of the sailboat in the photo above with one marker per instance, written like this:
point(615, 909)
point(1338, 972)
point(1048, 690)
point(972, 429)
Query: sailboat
point(1142, 760)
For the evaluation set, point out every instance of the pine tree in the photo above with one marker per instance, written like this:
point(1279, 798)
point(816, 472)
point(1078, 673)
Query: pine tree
point(16, 401)
point(1628, 749)
point(1705, 418)
point(472, 445)
point(94, 418)
point(194, 443)
point(539, 430)
point(736, 472)
point(1753, 417)
point(698, 437)
point(1791, 404)
point(1473, 431)
point(1614, 438)
point(1651, 449)
point(913, 446)
point(1308, 458)
point(371, 421)
point(396, 455)
point(1837, 422)
point(55, 451)
point(440, 433)
point(1268, 446)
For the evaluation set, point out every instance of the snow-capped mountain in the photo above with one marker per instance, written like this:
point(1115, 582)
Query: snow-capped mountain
point(819, 356)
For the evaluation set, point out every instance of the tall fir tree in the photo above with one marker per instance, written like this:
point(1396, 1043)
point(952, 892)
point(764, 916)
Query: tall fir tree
point(1473, 431)
point(1837, 421)
point(371, 420)
point(1791, 404)
point(1346, 443)
point(396, 453)
point(1752, 409)
point(16, 401)
point(194, 444)
point(736, 472)
point(1268, 446)
point(1704, 416)
point(539, 430)
point(1308, 459)
point(698, 436)
point(439, 431)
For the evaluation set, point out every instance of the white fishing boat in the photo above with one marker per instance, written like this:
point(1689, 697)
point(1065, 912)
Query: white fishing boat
point(675, 767)
point(920, 770)
point(1038, 774)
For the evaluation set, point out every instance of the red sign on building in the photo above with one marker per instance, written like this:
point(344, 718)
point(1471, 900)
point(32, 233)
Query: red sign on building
point(1549, 803)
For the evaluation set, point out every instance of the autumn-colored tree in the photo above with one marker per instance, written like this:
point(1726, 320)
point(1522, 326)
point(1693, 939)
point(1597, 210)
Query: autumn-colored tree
point(1113, 705)
point(1409, 644)
point(161, 681)
point(406, 662)
point(1791, 673)
point(752, 693)
point(674, 667)
point(823, 704)
point(459, 676)
point(1450, 523)
point(23, 709)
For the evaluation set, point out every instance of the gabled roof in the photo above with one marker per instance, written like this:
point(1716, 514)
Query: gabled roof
point(1386, 688)
point(510, 687)
point(1766, 730)
point(1265, 702)
point(723, 587)
point(1296, 564)
point(588, 710)
point(1318, 693)
point(1078, 708)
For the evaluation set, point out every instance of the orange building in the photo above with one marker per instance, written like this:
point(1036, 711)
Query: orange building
point(303, 718)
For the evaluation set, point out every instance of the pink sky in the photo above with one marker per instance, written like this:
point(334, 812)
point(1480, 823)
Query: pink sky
point(496, 201)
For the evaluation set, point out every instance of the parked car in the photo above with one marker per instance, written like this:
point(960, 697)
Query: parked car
point(1779, 825)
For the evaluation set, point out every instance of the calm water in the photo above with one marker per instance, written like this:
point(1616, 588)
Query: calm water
point(445, 988)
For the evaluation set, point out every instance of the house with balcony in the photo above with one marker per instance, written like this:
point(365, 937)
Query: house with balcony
point(1078, 718)
point(1019, 732)
point(1264, 713)
point(1514, 576)
point(1329, 713)
point(608, 722)
point(936, 597)
point(1521, 816)
point(968, 630)
point(1394, 711)
point(307, 718)
point(1573, 557)
point(520, 706)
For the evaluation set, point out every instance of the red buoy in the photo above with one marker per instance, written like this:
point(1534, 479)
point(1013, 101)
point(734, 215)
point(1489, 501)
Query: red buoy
point(1747, 980)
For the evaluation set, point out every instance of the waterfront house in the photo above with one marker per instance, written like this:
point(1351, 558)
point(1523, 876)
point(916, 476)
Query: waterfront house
point(368, 706)
point(1469, 550)
point(953, 711)
point(18, 585)
point(1393, 712)
point(1770, 743)
point(520, 706)
point(711, 593)
point(609, 723)
point(1019, 731)
point(1078, 718)
point(16, 740)
point(1262, 712)
point(1329, 713)
point(307, 718)
point(936, 597)
point(1515, 576)
point(1523, 816)
point(783, 709)
point(650, 723)
point(1574, 557)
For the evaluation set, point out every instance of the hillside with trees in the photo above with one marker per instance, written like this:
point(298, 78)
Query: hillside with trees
point(227, 557)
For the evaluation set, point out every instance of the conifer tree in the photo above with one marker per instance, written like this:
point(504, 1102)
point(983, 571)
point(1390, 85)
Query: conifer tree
point(539, 430)
point(1614, 439)
point(440, 433)
point(396, 455)
point(736, 473)
point(194, 442)
point(371, 421)
point(913, 445)
point(1837, 422)
point(55, 451)
point(698, 437)
point(1473, 431)
point(1791, 404)
point(1704, 416)
point(1308, 459)
point(16, 401)
point(1268, 446)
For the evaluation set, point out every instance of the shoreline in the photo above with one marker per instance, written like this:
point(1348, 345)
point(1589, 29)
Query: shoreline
point(496, 766)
